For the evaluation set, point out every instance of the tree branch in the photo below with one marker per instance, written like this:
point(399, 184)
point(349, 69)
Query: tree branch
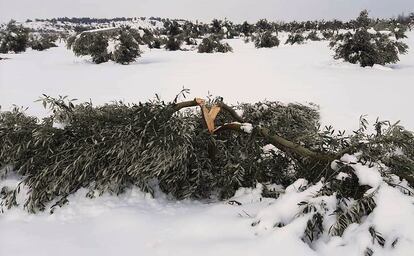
point(232, 112)
point(278, 141)
point(185, 104)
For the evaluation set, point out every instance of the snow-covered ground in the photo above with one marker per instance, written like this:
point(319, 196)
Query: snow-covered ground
point(136, 224)
point(298, 73)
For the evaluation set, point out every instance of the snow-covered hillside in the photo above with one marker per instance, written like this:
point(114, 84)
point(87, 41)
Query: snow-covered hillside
point(68, 26)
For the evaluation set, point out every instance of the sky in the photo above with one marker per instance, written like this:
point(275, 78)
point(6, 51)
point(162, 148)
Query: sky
point(203, 10)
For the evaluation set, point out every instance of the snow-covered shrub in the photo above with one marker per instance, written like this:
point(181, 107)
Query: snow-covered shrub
point(295, 38)
point(175, 38)
point(14, 38)
point(156, 43)
point(118, 45)
point(127, 49)
point(229, 30)
point(172, 28)
point(266, 39)
point(190, 41)
point(313, 36)
point(399, 32)
point(327, 34)
point(92, 44)
point(173, 43)
point(70, 40)
point(263, 25)
point(43, 41)
point(363, 20)
point(216, 27)
point(246, 28)
point(212, 44)
point(367, 48)
point(136, 34)
point(147, 38)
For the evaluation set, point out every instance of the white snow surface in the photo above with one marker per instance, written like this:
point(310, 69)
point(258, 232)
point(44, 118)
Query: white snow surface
point(134, 223)
point(246, 127)
point(298, 73)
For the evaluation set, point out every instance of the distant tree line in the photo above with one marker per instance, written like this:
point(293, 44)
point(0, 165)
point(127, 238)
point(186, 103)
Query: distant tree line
point(364, 41)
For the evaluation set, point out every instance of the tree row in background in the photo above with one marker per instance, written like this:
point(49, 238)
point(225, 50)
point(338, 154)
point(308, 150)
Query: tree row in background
point(363, 41)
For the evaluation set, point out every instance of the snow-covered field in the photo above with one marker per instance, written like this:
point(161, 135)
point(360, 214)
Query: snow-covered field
point(298, 73)
point(136, 224)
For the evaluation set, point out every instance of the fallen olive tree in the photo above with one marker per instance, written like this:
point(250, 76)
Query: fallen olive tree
point(169, 145)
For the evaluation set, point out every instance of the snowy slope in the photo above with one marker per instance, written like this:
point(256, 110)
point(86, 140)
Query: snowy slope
point(69, 26)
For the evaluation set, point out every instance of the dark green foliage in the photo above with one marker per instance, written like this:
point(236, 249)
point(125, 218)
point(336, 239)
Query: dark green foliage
point(70, 41)
point(113, 147)
point(355, 212)
point(229, 30)
point(148, 37)
point(363, 21)
point(355, 201)
point(172, 28)
point(399, 32)
point(134, 33)
point(95, 44)
point(173, 43)
point(42, 42)
point(266, 40)
point(207, 45)
point(190, 41)
point(156, 43)
point(314, 228)
point(263, 25)
point(246, 28)
point(328, 34)
point(13, 38)
point(127, 50)
point(98, 49)
point(295, 38)
point(366, 48)
point(303, 120)
point(212, 44)
point(313, 36)
point(216, 26)
point(376, 236)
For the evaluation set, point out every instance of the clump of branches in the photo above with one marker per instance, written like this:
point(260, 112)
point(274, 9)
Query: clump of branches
point(295, 38)
point(14, 38)
point(127, 50)
point(43, 41)
point(117, 44)
point(313, 36)
point(213, 44)
point(113, 147)
point(366, 46)
point(173, 43)
point(266, 39)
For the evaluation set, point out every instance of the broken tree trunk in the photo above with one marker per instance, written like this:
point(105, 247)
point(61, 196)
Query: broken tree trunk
point(279, 142)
